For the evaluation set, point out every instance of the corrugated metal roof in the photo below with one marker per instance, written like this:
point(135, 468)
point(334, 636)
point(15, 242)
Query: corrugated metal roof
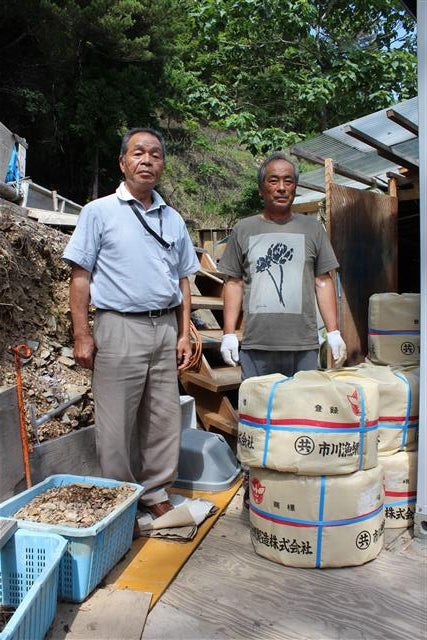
point(351, 153)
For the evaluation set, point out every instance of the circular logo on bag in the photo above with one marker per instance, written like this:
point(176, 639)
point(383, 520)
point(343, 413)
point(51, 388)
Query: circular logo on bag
point(363, 540)
point(304, 445)
point(408, 348)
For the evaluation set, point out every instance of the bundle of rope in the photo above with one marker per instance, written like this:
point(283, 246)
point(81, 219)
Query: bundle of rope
point(196, 356)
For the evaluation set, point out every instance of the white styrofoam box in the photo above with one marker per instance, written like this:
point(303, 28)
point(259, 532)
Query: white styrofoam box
point(188, 412)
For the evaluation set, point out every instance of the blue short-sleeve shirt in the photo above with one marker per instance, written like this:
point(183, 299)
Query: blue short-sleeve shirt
point(130, 270)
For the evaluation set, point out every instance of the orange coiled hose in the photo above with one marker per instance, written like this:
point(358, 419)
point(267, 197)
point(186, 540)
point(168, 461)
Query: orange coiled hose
point(196, 340)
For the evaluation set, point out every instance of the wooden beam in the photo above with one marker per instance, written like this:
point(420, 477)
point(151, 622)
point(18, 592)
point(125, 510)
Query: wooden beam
point(230, 379)
point(210, 275)
point(53, 218)
point(338, 168)
point(401, 180)
point(207, 302)
point(205, 260)
point(401, 120)
point(308, 207)
point(211, 338)
point(382, 149)
point(311, 186)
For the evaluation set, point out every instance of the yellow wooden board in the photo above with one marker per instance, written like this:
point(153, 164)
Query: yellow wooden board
point(152, 564)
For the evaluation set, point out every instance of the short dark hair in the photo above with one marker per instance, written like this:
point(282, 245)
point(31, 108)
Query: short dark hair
point(277, 155)
point(127, 136)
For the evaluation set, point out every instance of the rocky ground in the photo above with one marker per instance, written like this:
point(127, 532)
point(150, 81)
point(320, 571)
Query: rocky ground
point(34, 310)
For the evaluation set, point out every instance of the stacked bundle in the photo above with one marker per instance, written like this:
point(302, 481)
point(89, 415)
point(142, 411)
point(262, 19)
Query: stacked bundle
point(394, 328)
point(316, 491)
point(397, 433)
point(394, 339)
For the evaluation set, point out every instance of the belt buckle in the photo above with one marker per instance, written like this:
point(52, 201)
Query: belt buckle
point(156, 313)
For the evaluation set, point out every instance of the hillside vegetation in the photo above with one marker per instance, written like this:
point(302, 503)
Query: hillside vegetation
point(210, 179)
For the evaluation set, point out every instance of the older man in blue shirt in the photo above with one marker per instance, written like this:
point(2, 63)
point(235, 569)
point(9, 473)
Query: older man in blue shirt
point(131, 256)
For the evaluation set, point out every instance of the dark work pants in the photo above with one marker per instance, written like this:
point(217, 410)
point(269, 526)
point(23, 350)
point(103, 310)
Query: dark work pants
point(256, 362)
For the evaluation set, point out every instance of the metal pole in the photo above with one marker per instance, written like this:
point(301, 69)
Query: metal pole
point(420, 528)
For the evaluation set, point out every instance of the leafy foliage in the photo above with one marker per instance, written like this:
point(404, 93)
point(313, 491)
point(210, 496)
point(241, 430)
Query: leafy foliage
point(76, 73)
point(274, 69)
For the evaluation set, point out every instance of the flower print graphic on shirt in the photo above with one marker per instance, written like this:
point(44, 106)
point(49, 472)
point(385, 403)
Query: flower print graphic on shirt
point(277, 254)
point(276, 266)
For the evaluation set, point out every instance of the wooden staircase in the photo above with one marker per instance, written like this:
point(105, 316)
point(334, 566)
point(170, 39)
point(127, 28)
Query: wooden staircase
point(214, 385)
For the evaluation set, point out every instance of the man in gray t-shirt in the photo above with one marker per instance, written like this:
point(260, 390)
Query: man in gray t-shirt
point(278, 263)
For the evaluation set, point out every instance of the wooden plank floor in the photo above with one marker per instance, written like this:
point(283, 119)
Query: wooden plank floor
point(152, 564)
point(226, 591)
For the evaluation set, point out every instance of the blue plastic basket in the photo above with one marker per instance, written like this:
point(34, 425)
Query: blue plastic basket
point(91, 551)
point(29, 568)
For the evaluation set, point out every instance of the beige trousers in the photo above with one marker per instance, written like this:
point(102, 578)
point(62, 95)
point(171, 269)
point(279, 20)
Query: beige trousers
point(137, 410)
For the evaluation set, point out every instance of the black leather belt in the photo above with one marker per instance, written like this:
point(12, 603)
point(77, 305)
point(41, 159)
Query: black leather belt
point(154, 313)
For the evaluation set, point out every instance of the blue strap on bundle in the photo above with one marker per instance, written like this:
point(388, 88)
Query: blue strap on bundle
point(408, 409)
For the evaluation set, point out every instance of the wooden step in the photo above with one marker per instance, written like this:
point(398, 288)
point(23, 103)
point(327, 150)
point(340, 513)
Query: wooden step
point(205, 320)
point(222, 379)
point(214, 410)
point(211, 275)
point(220, 422)
point(206, 286)
point(207, 302)
point(211, 338)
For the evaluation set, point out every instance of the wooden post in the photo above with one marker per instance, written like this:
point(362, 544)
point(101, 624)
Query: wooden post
point(329, 177)
point(393, 187)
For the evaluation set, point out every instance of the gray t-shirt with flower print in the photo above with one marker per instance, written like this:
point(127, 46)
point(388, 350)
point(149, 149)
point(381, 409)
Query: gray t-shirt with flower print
point(278, 262)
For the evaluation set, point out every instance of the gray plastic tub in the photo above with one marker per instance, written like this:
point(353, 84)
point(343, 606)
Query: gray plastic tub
point(206, 462)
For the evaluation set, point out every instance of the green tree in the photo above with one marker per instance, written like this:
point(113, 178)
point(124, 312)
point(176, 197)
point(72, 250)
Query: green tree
point(75, 74)
point(276, 69)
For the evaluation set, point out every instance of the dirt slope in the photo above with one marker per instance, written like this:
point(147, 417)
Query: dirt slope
point(34, 308)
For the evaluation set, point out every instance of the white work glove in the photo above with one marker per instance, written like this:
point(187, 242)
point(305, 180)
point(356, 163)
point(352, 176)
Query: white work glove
point(230, 349)
point(338, 348)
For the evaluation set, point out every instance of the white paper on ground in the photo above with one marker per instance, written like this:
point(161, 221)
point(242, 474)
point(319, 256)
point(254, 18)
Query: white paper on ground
point(185, 512)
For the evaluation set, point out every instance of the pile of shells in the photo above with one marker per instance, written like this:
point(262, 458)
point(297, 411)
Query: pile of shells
point(74, 505)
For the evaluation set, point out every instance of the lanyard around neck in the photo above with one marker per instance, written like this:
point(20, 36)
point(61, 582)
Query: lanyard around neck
point(160, 240)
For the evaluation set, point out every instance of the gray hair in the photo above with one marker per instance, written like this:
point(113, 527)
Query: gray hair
point(277, 155)
point(127, 136)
